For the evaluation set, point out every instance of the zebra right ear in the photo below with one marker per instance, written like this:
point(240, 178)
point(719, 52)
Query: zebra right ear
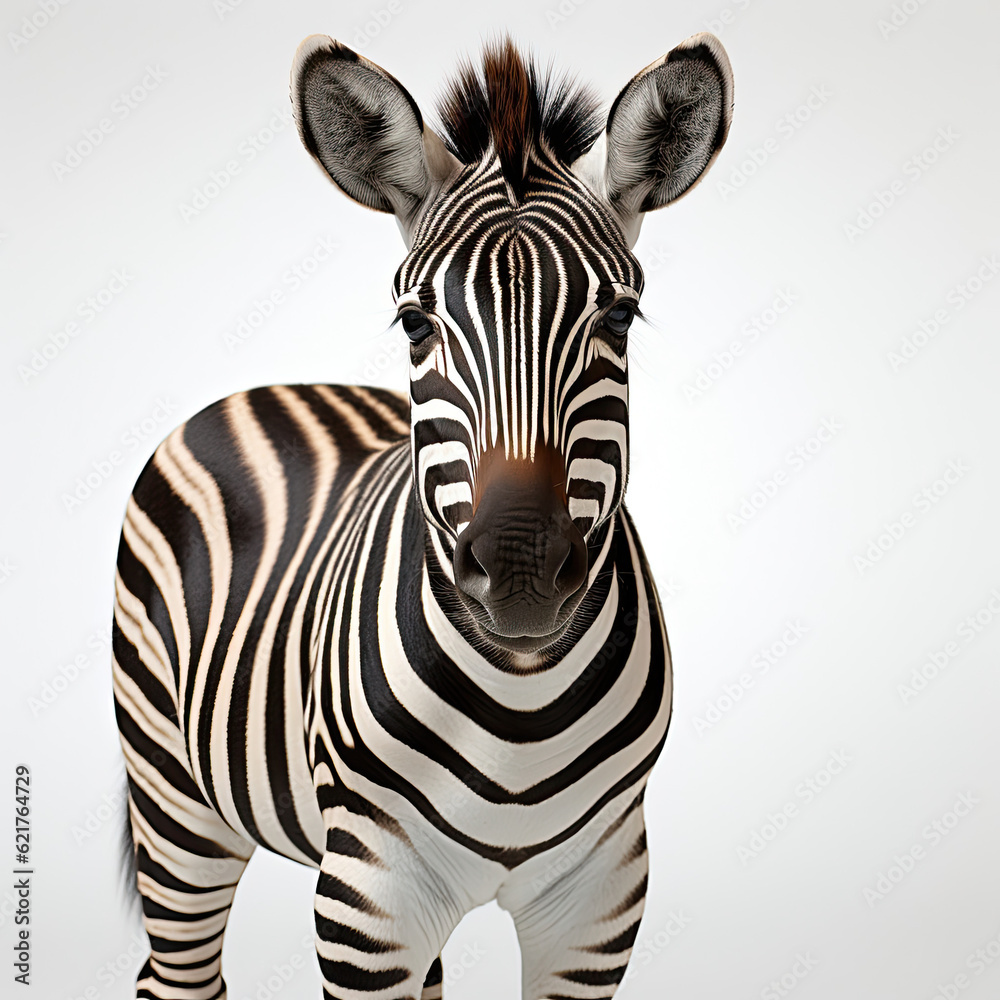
point(665, 129)
point(366, 131)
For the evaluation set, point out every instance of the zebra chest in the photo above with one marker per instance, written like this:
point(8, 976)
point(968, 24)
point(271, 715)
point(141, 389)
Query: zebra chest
point(464, 743)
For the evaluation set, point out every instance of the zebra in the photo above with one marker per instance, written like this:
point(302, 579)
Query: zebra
point(412, 640)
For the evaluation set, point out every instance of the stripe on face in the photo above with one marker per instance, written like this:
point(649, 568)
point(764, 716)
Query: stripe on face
point(518, 359)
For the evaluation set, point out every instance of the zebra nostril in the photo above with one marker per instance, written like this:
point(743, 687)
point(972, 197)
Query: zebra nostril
point(470, 574)
point(480, 550)
point(573, 570)
point(490, 566)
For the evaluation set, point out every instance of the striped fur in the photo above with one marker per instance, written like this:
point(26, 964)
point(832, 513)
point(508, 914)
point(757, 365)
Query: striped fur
point(296, 667)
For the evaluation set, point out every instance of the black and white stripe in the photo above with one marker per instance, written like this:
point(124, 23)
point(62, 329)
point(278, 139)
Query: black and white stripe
point(296, 663)
point(528, 366)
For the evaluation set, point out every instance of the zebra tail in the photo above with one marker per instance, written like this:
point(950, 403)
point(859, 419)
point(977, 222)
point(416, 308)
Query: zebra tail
point(128, 866)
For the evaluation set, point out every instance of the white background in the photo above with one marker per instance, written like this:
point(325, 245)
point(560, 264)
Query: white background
point(725, 918)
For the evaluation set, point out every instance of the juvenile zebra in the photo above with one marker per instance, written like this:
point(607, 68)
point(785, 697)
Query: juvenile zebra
point(414, 643)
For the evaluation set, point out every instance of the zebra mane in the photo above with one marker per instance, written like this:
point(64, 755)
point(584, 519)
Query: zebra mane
point(513, 107)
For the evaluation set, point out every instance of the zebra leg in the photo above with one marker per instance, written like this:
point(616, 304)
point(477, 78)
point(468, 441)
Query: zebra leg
point(577, 915)
point(434, 981)
point(383, 911)
point(188, 863)
point(188, 860)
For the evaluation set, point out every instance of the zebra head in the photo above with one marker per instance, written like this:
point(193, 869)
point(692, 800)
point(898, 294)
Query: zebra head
point(516, 295)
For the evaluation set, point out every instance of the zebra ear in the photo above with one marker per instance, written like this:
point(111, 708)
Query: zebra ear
point(664, 131)
point(366, 131)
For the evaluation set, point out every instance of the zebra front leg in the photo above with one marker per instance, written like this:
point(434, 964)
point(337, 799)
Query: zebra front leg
point(188, 862)
point(577, 911)
point(434, 981)
point(383, 913)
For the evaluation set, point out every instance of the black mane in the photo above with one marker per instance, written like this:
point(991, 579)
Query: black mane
point(511, 105)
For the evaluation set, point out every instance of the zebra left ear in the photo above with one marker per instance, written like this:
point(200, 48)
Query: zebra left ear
point(664, 131)
point(366, 131)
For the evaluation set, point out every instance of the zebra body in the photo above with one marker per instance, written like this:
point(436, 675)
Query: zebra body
point(413, 642)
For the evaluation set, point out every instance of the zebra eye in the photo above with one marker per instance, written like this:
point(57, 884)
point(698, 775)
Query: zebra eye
point(618, 319)
point(416, 325)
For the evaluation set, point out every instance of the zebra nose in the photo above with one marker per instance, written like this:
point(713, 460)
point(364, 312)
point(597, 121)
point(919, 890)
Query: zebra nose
point(486, 565)
point(522, 563)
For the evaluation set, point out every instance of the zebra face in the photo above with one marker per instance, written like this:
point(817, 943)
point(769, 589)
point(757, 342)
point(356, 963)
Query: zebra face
point(518, 315)
point(516, 295)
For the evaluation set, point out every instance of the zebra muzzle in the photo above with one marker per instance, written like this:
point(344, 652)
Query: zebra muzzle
point(521, 563)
